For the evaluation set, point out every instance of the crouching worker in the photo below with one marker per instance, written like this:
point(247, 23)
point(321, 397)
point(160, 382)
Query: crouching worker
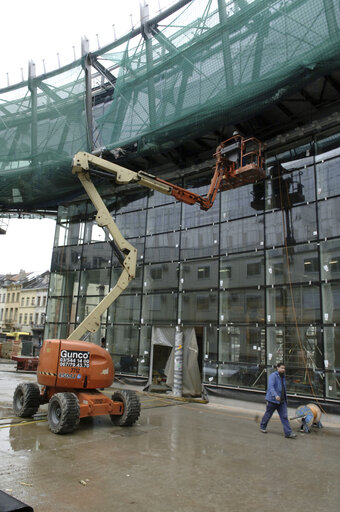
point(276, 398)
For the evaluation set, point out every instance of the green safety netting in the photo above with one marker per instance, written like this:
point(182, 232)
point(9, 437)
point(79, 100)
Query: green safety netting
point(210, 62)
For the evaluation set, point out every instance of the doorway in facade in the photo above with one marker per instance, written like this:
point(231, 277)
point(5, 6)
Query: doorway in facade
point(161, 376)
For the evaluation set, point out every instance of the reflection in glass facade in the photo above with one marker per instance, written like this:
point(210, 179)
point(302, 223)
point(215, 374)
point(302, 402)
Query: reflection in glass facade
point(257, 276)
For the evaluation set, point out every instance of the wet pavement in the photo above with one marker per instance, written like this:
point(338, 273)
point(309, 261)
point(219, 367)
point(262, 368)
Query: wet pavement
point(180, 456)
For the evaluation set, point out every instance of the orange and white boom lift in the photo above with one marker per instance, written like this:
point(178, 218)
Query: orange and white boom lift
point(71, 371)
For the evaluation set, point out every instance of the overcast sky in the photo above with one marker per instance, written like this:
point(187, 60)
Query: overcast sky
point(39, 31)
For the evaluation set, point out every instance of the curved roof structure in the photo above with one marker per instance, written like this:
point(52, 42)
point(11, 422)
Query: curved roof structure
point(198, 66)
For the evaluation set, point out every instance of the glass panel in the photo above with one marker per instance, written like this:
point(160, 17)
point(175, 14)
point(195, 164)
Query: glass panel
point(122, 340)
point(95, 282)
point(86, 305)
point(331, 302)
point(166, 218)
point(327, 177)
point(332, 361)
point(160, 308)
point(134, 285)
point(97, 255)
point(66, 258)
point(144, 351)
point(131, 200)
point(296, 346)
point(131, 224)
point(95, 233)
point(294, 264)
point(296, 225)
point(305, 382)
point(162, 247)
point(198, 307)
point(245, 375)
point(330, 259)
point(329, 211)
point(300, 303)
point(242, 235)
point(161, 277)
point(210, 362)
point(241, 269)
point(66, 283)
point(193, 216)
point(54, 331)
point(61, 309)
point(70, 225)
point(291, 188)
point(242, 202)
point(245, 306)
point(200, 242)
point(125, 309)
point(242, 344)
point(199, 275)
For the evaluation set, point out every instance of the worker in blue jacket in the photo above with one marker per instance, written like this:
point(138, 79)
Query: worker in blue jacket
point(276, 398)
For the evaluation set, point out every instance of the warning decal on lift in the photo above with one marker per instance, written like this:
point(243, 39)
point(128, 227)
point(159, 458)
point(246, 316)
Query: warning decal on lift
point(76, 358)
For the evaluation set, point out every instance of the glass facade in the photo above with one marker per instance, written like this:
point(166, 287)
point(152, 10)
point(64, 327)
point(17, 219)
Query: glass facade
point(257, 276)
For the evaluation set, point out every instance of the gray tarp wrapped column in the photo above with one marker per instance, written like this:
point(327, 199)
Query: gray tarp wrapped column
point(191, 375)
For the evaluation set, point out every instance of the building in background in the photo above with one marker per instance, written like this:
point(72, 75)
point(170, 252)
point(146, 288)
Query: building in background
point(23, 300)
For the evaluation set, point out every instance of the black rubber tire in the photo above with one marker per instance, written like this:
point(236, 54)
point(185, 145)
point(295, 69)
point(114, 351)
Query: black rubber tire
point(131, 408)
point(26, 399)
point(63, 413)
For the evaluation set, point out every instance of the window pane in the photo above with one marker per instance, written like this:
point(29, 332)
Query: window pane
point(300, 303)
point(166, 218)
point(134, 285)
point(239, 202)
point(242, 235)
point(66, 283)
point(294, 225)
point(332, 361)
point(294, 264)
point(331, 302)
point(144, 351)
point(95, 282)
point(97, 255)
point(242, 344)
point(160, 308)
point(208, 335)
point(242, 375)
point(327, 176)
point(199, 307)
point(241, 269)
point(193, 216)
point(131, 224)
point(329, 211)
point(86, 305)
point(66, 258)
point(291, 188)
point(125, 309)
point(162, 247)
point(200, 242)
point(61, 309)
point(330, 259)
point(242, 306)
point(199, 275)
point(161, 277)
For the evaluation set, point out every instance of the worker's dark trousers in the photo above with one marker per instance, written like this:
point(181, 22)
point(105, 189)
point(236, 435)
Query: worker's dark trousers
point(281, 408)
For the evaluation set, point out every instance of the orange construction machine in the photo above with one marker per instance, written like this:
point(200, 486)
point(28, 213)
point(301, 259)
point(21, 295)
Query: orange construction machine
point(71, 371)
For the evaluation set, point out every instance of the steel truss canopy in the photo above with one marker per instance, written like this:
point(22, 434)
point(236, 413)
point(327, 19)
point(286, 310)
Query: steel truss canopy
point(169, 91)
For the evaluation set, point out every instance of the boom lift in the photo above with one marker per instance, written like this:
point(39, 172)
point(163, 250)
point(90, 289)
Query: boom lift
point(70, 371)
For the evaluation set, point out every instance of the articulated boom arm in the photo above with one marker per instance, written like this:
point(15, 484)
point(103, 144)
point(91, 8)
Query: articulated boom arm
point(235, 166)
